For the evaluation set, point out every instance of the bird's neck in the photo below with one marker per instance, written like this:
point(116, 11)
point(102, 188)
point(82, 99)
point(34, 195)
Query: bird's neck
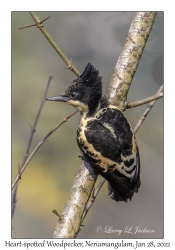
point(86, 115)
point(92, 110)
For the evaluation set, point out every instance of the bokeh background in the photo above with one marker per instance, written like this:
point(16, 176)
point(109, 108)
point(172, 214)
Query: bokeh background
point(95, 37)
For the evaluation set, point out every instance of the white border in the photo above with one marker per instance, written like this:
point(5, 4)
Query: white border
point(5, 98)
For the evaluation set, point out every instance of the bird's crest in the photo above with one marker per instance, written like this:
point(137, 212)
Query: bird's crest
point(89, 78)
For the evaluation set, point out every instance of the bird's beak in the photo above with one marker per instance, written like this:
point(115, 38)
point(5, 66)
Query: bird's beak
point(58, 98)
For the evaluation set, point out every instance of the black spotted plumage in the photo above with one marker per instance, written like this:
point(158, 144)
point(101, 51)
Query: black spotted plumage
point(104, 136)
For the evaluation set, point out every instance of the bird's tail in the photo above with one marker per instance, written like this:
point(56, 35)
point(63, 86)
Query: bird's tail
point(118, 194)
point(121, 188)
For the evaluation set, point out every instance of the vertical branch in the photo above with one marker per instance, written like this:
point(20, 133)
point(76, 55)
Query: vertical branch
point(129, 58)
point(68, 225)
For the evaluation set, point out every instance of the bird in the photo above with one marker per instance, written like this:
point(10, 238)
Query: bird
point(104, 136)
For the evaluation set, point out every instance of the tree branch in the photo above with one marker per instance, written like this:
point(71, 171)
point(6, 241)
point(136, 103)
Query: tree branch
point(129, 58)
point(142, 119)
point(31, 25)
point(63, 227)
point(29, 144)
point(69, 225)
point(54, 45)
point(144, 101)
point(92, 198)
point(18, 177)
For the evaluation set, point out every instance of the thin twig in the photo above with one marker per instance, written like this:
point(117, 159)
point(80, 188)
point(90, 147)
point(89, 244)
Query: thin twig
point(39, 145)
point(92, 198)
point(54, 45)
point(31, 25)
point(29, 143)
point(144, 101)
point(146, 112)
point(37, 116)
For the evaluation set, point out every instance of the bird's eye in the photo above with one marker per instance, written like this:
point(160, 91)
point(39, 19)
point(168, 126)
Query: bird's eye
point(74, 95)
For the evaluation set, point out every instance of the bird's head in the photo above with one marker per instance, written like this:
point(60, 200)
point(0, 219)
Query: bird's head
point(84, 93)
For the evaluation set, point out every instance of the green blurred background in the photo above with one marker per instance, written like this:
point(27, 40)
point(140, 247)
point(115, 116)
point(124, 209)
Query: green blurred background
point(95, 37)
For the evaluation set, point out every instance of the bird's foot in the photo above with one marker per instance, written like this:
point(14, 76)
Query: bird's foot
point(81, 155)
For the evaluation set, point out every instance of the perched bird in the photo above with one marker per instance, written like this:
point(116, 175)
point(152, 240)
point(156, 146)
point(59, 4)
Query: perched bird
point(104, 136)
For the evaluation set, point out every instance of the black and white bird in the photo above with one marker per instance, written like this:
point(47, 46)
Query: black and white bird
point(104, 136)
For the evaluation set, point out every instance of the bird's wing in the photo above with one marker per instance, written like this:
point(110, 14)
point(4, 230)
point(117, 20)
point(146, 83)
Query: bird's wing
point(110, 137)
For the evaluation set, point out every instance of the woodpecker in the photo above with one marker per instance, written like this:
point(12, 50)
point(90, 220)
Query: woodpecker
point(104, 136)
